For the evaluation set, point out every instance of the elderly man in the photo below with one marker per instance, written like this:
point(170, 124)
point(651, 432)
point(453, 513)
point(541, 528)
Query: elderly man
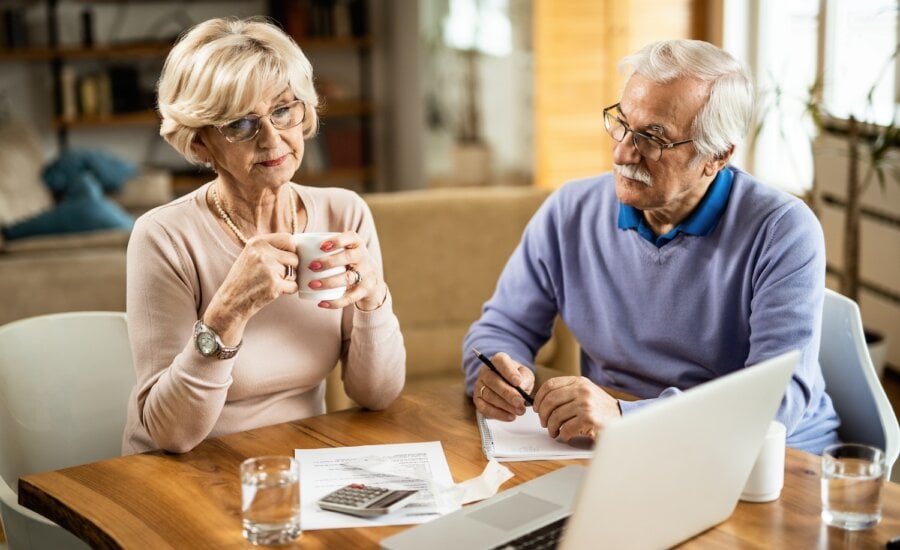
point(672, 270)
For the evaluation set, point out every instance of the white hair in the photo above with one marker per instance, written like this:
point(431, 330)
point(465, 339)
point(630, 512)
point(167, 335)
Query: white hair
point(220, 69)
point(725, 118)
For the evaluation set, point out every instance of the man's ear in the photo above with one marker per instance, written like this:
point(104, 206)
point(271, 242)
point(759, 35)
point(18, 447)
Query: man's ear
point(718, 161)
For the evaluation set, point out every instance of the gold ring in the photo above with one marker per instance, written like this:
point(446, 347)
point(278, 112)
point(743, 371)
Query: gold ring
point(481, 393)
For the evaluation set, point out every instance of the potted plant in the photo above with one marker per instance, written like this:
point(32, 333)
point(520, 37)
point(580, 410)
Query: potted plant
point(875, 143)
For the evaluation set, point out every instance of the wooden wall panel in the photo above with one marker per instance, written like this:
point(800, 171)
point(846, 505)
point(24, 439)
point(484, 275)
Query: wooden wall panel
point(577, 44)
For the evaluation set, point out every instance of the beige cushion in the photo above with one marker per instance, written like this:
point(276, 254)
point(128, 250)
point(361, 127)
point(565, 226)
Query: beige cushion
point(443, 250)
point(149, 188)
point(22, 192)
point(72, 242)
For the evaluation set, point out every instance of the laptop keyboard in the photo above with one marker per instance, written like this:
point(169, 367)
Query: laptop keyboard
point(546, 536)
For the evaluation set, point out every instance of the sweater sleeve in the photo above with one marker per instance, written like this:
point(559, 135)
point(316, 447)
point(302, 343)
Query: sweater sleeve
point(786, 310)
point(174, 382)
point(373, 354)
point(518, 319)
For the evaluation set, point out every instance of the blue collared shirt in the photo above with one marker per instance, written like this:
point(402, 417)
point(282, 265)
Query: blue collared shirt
point(701, 222)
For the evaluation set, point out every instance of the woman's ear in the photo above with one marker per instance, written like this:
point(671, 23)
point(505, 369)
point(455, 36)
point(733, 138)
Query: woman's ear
point(199, 148)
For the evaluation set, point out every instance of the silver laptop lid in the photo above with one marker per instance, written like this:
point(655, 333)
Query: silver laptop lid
point(672, 470)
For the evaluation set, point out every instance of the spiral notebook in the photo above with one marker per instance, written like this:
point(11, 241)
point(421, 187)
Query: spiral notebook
point(525, 439)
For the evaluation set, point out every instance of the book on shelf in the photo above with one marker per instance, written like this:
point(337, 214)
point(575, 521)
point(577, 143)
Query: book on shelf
point(68, 83)
point(344, 142)
point(322, 18)
point(15, 28)
point(126, 90)
point(102, 93)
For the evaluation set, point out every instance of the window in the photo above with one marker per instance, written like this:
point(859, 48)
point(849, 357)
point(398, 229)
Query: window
point(857, 42)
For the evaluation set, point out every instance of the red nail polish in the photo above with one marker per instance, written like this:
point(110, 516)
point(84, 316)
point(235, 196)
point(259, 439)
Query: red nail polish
point(315, 266)
point(315, 284)
point(327, 245)
point(325, 305)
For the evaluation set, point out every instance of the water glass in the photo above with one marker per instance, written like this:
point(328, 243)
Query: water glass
point(270, 491)
point(852, 478)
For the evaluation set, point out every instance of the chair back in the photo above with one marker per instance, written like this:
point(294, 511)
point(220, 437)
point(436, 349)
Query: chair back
point(65, 379)
point(851, 381)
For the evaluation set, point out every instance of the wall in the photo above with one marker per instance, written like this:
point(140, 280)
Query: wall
point(577, 45)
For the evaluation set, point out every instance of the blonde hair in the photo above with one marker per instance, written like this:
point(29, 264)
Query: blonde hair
point(219, 69)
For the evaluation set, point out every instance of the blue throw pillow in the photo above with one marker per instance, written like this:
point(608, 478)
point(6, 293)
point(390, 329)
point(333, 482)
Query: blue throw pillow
point(84, 208)
point(109, 171)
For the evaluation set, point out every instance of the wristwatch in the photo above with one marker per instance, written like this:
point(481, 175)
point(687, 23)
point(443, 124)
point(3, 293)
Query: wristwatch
point(210, 345)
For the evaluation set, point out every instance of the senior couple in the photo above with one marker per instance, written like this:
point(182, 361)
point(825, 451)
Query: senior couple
point(673, 269)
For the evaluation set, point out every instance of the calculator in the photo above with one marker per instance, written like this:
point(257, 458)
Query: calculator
point(358, 499)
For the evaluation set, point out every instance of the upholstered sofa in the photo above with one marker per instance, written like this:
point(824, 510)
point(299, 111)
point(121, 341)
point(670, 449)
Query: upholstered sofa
point(443, 250)
point(70, 271)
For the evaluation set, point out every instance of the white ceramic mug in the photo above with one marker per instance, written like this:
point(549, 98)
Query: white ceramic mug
point(309, 249)
point(767, 477)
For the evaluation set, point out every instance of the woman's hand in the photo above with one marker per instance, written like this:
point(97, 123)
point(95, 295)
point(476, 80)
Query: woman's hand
point(365, 286)
point(258, 276)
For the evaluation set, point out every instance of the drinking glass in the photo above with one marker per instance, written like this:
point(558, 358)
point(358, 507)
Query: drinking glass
point(270, 491)
point(852, 477)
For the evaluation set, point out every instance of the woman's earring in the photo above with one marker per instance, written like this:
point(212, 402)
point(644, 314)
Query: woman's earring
point(210, 166)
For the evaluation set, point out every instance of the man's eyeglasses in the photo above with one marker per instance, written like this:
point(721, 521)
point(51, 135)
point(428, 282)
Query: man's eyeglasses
point(245, 128)
point(650, 147)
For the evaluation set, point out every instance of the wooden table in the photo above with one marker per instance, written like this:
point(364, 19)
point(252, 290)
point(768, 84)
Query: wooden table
point(160, 500)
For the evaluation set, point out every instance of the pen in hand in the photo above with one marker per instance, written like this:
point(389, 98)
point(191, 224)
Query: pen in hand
point(486, 361)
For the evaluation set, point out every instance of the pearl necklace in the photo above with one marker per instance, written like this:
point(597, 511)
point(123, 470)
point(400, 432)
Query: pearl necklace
point(228, 221)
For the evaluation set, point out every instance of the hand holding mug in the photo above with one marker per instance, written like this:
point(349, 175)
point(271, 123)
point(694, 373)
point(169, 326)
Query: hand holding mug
point(338, 270)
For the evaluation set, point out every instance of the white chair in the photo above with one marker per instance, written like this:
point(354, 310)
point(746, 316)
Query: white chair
point(850, 379)
point(64, 385)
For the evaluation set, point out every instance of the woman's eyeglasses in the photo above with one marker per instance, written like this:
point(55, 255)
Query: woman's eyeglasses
point(650, 147)
point(282, 117)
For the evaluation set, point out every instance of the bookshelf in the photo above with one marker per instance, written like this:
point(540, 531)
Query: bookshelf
point(336, 36)
point(89, 93)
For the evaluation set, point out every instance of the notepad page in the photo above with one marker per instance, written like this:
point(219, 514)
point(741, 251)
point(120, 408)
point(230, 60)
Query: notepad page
point(525, 439)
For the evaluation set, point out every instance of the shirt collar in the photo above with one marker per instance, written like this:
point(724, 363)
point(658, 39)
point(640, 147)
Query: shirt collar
point(700, 223)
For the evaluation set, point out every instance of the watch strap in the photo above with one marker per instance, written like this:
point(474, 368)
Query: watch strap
point(221, 351)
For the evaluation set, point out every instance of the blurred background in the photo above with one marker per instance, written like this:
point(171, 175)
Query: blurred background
point(420, 94)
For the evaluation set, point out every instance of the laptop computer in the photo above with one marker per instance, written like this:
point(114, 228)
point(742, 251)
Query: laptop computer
point(658, 476)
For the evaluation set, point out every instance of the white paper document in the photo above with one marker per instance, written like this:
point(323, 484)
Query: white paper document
point(421, 466)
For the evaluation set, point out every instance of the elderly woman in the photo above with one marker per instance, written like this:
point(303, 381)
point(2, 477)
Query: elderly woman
point(221, 341)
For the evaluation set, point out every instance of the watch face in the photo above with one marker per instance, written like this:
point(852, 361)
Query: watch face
point(206, 343)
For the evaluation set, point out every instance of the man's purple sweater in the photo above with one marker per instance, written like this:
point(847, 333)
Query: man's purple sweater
point(652, 320)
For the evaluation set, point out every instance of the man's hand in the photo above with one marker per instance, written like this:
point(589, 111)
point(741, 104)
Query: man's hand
point(573, 406)
point(493, 397)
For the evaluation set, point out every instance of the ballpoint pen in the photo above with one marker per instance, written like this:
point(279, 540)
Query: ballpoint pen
point(486, 361)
